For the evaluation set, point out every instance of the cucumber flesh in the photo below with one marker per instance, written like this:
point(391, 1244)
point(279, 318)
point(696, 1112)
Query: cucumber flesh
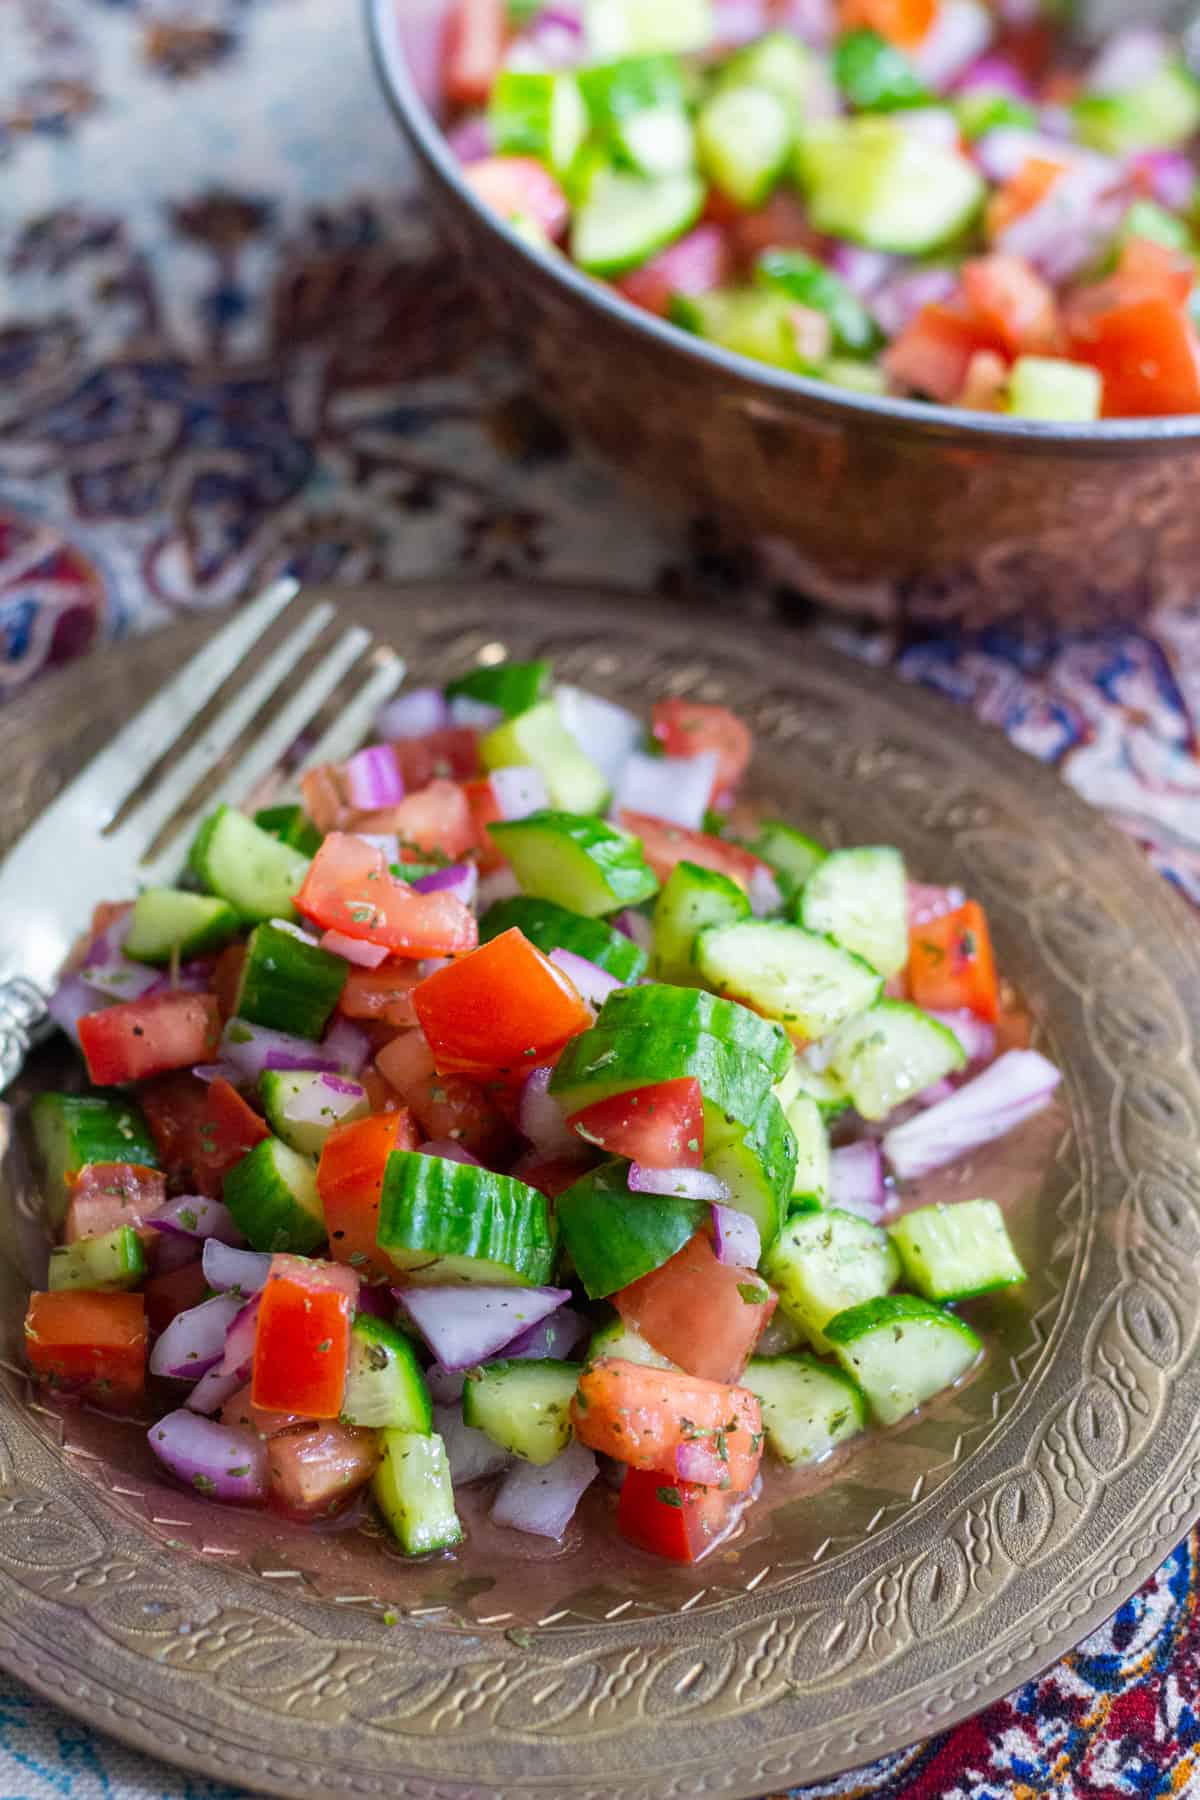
point(245, 865)
point(444, 1222)
point(758, 1166)
point(625, 219)
point(524, 1407)
point(289, 983)
point(890, 1054)
point(808, 983)
point(636, 27)
point(552, 927)
point(823, 1263)
point(779, 64)
point(72, 1130)
point(955, 1252)
point(272, 1194)
point(413, 1491)
point(691, 899)
point(577, 861)
point(808, 1407)
point(168, 922)
point(871, 180)
point(803, 1077)
point(902, 1351)
point(617, 1339)
point(614, 1237)
point(538, 739)
point(1053, 389)
point(598, 1064)
point(860, 898)
point(639, 107)
point(744, 137)
point(537, 113)
point(280, 1087)
point(108, 1263)
point(810, 1185)
point(385, 1388)
point(791, 854)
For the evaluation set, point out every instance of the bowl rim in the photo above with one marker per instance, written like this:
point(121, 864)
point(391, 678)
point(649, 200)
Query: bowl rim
point(430, 141)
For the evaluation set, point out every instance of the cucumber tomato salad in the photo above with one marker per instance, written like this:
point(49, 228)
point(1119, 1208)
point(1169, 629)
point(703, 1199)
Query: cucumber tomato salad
point(516, 1107)
point(933, 199)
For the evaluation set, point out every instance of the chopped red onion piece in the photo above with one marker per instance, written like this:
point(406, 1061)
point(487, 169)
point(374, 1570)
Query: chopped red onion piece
point(194, 1341)
point(175, 1252)
point(255, 1048)
point(450, 1151)
point(324, 1101)
point(238, 1353)
point(542, 1501)
point(222, 1462)
point(1129, 58)
point(540, 1119)
point(941, 1090)
point(228, 1269)
point(816, 21)
point(459, 879)
point(120, 978)
point(976, 1035)
point(961, 32)
point(605, 733)
point(765, 897)
point(636, 927)
point(1171, 176)
point(738, 22)
point(347, 1045)
point(856, 1180)
point(373, 778)
point(593, 983)
point(213, 1389)
point(696, 1460)
point(935, 125)
point(778, 1335)
point(555, 1338)
point(470, 714)
point(501, 884)
point(925, 904)
point(354, 950)
point(861, 269)
point(194, 1216)
point(189, 978)
point(385, 841)
point(1073, 223)
point(1014, 1088)
point(471, 1454)
point(690, 1184)
point(375, 1298)
point(413, 714)
point(445, 1385)
point(902, 296)
point(1006, 148)
point(995, 73)
point(471, 140)
point(464, 1326)
point(71, 1001)
point(736, 1238)
point(519, 791)
point(676, 789)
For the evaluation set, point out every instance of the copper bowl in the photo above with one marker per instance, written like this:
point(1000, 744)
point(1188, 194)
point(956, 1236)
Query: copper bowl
point(887, 507)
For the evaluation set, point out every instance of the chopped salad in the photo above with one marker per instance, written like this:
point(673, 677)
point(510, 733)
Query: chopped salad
point(516, 1105)
point(932, 199)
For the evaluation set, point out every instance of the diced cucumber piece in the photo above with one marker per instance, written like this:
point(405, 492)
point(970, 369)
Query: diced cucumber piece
point(860, 898)
point(625, 219)
point(857, 377)
point(810, 1185)
point(413, 1491)
point(1051, 388)
point(245, 865)
point(807, 282)
point(687, 1010)
point(1159, 113)
point(871, 180)
point(553, 927)
point(824, 1262)
point(980, 112)
point(514, 687)
point(525, 1407)
point(808, 1407)
point(758, 325)
point(289, 983)
point(758, 1166)
point(613, 1237)
point(902, 1351)
point(617, 1339)
point(575, 860)
point(790, 974)
point(890, 1054)
point(280, 1087)
point(1146, 219)
point(598, 1064)
point(384, 1384)
point(636, 27)
point(639, 106)
point(445, 1222)
point(691, 899)
point(779, 64)
point(803, 1077)
point(537, 113)
point(744, 138)
point(956, 1252)
point(72, 1130)
point(875, 76)
point(791, 854)
point(113, 1261)
point(538, 739)
point(169, 922)
point(291, 825)
point(272, 1194)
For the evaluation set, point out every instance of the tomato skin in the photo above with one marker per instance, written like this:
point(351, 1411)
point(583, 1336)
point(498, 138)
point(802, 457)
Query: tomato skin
point(515, 185)
point(692, 727)
point(933, 354)
point(480, 796)
point(695, 1311)
point(382, 995)
point(661, 1126)
point(1011, 301)
point(230, 1130)
point(1148, 352)
point(348, 888)
point(105, 1196)
point(454, 1106)
point(302, 1339)
point(650, 1418)
point(240, 1409)
point(902, 22)
point(504, 1009)
point(89, 1344)
point(951, 964)
point(151, 1036)
point(474, 45)
point(665, 845)
point(1023, 191)
point(173, 1292)
point(314, 1472)
point(451, 754)
point(350, 1181)
point(436, 819)
point(227, 978)
point(694, 264)
point(679, 1520)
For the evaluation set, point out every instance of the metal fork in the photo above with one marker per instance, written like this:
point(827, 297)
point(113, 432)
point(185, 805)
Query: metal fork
point(92, 845)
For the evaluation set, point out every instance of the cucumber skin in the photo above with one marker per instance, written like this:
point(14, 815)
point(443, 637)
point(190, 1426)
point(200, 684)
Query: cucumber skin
point(783, 1264)
point(692, 1009)
point(614, 1237)
point(287, 985)
point(619, 1340)
point(759, 1169)
point(892, 1313)
point(265, 1209)
point(763, 1374)
point(119, 1254)
point(512, 686)
point(691, 899)
point(791, 855)
point(413, 1491)
point(610, 861)
point(433, 1209)
point(549, 927)
point(712, 953)
point(488, 1395)
point(599, 1064)
point(919, 1269)
point(292, 826)
point(72, 1130)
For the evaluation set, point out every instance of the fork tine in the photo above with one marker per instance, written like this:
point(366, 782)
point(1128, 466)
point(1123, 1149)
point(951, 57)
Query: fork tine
point(268, 747)
point(118, 769)
point(345, 733)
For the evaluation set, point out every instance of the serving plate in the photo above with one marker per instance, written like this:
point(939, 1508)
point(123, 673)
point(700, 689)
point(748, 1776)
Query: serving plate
point(941, 1565)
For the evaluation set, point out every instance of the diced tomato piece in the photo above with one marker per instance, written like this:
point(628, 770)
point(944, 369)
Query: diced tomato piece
point(692, 727)
point(1148, 352)
point(520, 186)
point(902, 22)
point(951, 964)
point(1149, 268)
point(783, 223)
point(551, 1176)
point(502, 1010)
point(108, 912)
point(480, 796)
point(350, 1181)
point(676, 1519)
point(230, 1130)
point(323, 791)
point(381, 1095)
point(435, 820)
point(314, 1473)
point(661, 1126)
point(105, 1196)
point(1021, 193)
point(665, 845)
point(382, 995)
point(348, 888)
point(406, 1061)
point(227, 978)
point(175, 1107)
point(1012, 301)
point(476, 31)
point(694, 264)
point(986, 386)
point(682, 1426)
point(451, 754)
point(454, 1106)
point(302, 1339)
point(700, 1313)
point(150, 1036)
point(172, 1292)
point(89, 1344)
point(933, 354)
point(240, 1410)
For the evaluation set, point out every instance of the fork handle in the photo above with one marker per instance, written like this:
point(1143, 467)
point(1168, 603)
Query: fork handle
point(22, 1010)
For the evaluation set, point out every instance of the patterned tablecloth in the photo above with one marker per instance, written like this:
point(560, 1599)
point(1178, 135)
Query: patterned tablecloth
point(228, 345)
